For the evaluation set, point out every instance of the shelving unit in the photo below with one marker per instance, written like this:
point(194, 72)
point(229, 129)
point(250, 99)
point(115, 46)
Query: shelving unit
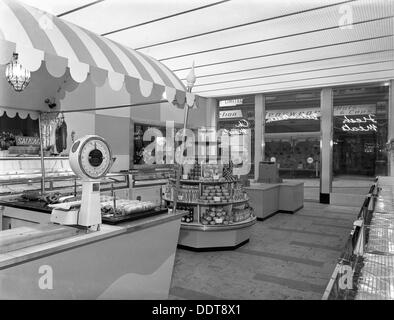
point(222, 232)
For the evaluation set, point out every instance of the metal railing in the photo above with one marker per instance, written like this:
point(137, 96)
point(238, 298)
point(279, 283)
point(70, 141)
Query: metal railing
point(352, 252)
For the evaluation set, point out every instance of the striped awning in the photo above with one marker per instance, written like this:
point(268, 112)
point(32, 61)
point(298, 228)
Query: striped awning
point(38, 36)
point(23, 114)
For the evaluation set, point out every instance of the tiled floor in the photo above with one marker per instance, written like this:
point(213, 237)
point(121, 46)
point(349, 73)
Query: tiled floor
point(288, 257)
point(352, 185)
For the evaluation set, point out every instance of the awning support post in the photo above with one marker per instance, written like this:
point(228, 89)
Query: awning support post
point(41, 154)
point(191, 79)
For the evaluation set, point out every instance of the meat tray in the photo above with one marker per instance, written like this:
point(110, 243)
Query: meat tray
point(115, 219)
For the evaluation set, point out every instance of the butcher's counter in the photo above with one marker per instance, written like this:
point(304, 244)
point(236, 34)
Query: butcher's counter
point(131, 260)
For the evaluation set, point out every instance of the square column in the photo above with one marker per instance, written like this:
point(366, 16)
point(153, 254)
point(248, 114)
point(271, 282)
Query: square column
point(390, 136)
point(259, 132)
point(326, 144)
point(211, 113)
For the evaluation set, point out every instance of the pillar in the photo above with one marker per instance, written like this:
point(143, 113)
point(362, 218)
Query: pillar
point(259, 131)
point(390, 136)
point(326, 144)
point(211, 113)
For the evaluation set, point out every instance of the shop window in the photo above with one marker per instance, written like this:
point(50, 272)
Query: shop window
point(140, 145)
point(292, 127)
point(296, 157)
point(235, 115)
point(360, 131)
point(11, 131)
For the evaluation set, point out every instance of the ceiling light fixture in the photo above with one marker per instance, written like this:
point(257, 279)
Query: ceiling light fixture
point(17, 76)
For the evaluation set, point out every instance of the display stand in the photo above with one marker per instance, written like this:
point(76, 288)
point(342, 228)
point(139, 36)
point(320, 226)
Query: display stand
point(267, 199)
point(227, 231)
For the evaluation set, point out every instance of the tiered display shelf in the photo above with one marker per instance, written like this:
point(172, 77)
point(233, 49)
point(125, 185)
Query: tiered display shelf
point(222, 218)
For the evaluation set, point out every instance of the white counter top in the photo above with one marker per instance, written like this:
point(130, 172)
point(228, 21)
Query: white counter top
point(80, 238)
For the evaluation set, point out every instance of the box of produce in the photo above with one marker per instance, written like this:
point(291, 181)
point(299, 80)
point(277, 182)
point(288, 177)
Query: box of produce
point(216, 216)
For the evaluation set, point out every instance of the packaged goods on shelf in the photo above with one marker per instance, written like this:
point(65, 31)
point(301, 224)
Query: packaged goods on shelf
point(224, 220)
point(238, 193)
point(212, 171)
point(224, 216)
point(168, 191)
point(215, 193)
point(188, 218)
point(210, 202)
point(241, 214)
point(216, 215)
point(195, 172)
point(186, 193)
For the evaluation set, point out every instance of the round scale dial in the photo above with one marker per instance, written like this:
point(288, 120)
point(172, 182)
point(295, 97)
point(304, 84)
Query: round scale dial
point(95, 158)
point(91, 157)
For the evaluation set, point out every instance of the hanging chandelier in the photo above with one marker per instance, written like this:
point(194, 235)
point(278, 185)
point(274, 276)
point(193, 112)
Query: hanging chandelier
point(17, 76)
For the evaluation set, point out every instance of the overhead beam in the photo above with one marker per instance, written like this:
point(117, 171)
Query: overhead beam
point(163, 18)
point(274, 38)
point(291, 63)
point(79, 8)
point(296, 80)
point(361, 82)
point(245, 24)
point(284, 52)
point(294, 72)
point(108, 107)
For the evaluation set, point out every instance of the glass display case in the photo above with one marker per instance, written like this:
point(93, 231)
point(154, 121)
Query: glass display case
point(150, 175)
point(146, 181)
point(21, 183)
point(21, 174)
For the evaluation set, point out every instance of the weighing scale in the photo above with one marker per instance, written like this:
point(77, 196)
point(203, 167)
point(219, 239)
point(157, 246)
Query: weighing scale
point(90, 159)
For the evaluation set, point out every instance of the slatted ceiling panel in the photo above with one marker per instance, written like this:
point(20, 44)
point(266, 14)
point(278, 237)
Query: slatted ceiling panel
point(297, 85)
point(299, 67)
point(264, 31)
point(287, 46)
point(225, 15)
point(359, 31)
point(372, 68)
point(222, 16)
point(283, 58)
point(320, 69)
point(269, 78)
point(308, 69)
point(319, 53)
point(56, 7)
point(116, 14)
point(289, 65)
